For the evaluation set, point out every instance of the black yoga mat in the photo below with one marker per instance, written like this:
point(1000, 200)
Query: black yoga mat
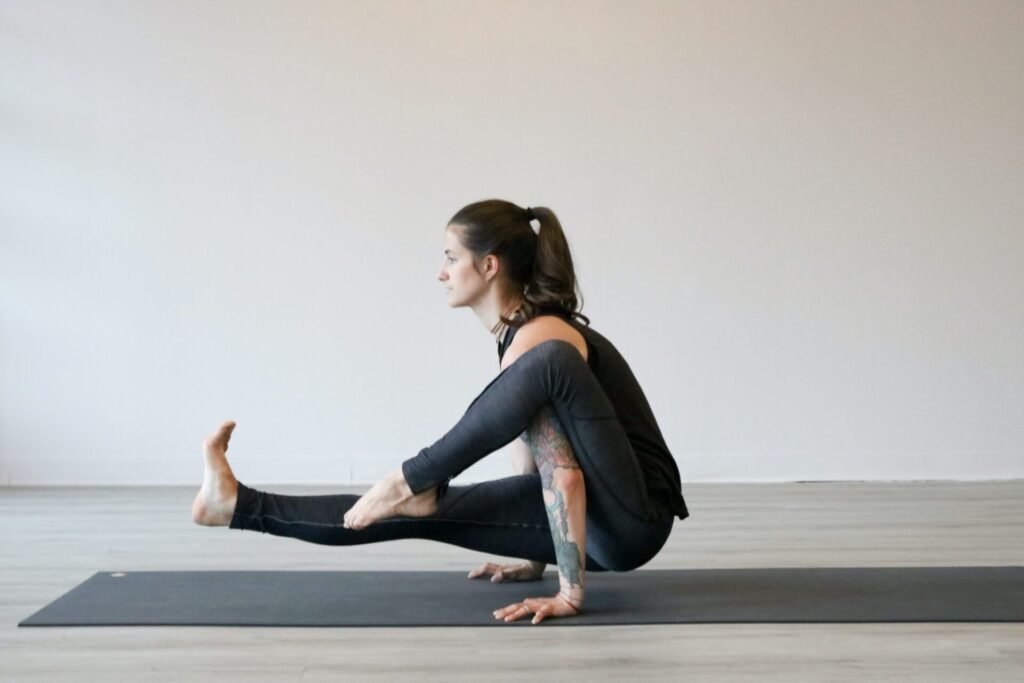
point(435, 598)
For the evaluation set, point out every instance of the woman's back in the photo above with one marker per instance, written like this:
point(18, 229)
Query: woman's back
point(660, 472)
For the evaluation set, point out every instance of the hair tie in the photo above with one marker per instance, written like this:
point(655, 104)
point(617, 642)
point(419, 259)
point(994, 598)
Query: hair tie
point(530, 214)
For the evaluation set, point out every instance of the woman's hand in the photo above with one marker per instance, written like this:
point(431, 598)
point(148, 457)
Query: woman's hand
point(540, 608)
point(525, 571)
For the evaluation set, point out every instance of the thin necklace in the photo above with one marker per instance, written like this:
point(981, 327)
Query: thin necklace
point(501, 327)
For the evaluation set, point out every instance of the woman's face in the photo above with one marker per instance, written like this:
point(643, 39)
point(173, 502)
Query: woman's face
point(464, 283)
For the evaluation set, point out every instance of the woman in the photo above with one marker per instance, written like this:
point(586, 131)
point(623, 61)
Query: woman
point(596, 487)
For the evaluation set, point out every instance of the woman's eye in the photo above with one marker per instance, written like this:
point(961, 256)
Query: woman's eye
point(450, 259)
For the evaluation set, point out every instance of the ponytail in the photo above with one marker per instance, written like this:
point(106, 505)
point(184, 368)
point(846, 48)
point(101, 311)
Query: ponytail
point(552, 286)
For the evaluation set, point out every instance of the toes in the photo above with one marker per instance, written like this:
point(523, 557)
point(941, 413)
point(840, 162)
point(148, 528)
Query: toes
point(221, 437)
point(224, 434)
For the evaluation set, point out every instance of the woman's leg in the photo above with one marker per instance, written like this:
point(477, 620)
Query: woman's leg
point(505, 517)
point(625, 527)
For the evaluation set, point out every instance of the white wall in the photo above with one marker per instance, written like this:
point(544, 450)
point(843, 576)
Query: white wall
point(800, 221)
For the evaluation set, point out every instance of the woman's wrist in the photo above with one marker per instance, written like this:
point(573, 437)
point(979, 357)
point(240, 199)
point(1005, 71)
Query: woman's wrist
point(573, 596)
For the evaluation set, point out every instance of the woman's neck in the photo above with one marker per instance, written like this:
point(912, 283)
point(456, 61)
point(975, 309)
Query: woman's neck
point(489, 313)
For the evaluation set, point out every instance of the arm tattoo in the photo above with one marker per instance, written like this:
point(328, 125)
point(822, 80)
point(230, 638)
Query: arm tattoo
point(552, 452)
point(570, 564)
point(551, 447)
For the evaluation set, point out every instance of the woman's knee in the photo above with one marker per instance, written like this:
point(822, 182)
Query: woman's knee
point(557, 351)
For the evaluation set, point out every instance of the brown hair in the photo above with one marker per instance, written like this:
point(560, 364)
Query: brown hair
point(536, 265)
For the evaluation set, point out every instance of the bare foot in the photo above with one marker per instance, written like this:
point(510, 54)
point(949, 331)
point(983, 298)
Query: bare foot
point(390, 497)
point(215, 503)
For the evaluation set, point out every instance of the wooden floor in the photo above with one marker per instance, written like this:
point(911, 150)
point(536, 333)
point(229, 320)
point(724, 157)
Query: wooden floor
point(51, 539)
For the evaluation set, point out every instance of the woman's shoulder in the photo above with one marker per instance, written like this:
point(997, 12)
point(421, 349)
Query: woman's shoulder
point(542, 328)
point(545, 321)
point(555, 319)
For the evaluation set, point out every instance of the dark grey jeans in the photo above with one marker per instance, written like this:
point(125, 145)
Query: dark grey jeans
point(626, 524)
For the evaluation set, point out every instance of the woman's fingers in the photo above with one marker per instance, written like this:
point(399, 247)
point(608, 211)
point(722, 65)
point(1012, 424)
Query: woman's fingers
point(500, 573)
point(485, 568)
point(514, 612)
point(511, 612)
point(501, 612)
point(519, 610)
point(541, 608)
point(497, 572)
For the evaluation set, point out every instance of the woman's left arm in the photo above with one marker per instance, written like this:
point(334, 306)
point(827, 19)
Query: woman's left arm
point(565, 498)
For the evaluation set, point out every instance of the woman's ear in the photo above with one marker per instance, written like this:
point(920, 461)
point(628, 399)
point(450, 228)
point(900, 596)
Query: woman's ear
point(491, 265)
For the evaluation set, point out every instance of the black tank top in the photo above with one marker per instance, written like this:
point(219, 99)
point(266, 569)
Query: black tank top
point(659, 468)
